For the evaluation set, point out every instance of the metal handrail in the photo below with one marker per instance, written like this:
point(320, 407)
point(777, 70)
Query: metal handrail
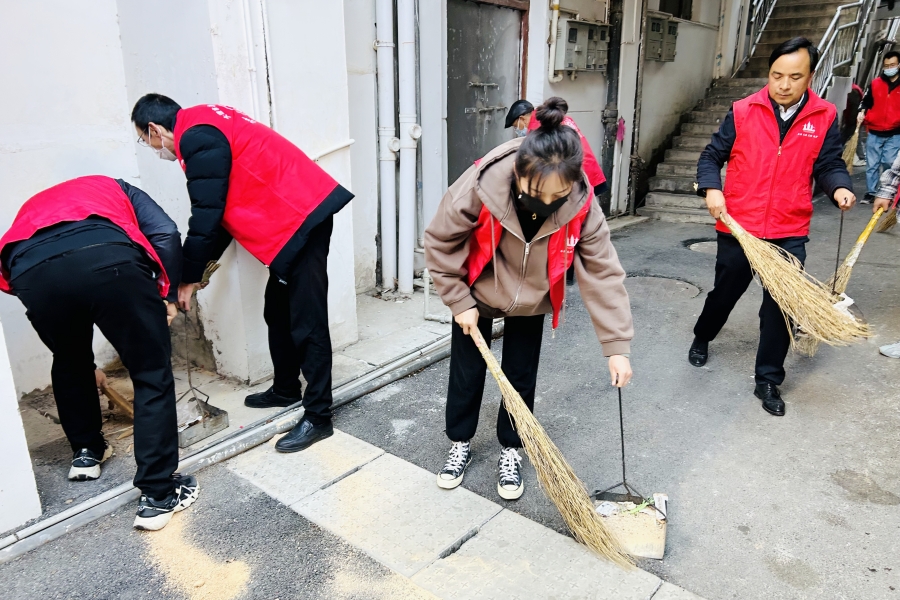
point(840, 43)
point(760, 11)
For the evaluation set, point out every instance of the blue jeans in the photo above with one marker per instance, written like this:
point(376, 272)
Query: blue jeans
point(880, 154)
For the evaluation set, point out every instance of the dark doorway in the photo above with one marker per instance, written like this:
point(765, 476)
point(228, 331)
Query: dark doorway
point(483, 78)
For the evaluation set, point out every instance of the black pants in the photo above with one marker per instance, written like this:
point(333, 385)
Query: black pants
point(110, 286)
point(521, 355)
point(297, 315)
point(733, 275)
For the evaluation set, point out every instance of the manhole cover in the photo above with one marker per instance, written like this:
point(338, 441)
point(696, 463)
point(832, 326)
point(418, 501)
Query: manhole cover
point(704, 247)
point(660, 288)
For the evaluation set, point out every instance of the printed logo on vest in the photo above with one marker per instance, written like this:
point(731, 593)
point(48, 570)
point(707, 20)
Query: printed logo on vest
point(809, 130)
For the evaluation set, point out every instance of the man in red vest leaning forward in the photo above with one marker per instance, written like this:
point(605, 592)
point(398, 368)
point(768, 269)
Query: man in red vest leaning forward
point(775, 142)
point(248, 183)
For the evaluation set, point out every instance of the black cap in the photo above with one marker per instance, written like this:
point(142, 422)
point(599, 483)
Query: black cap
point(519, 108)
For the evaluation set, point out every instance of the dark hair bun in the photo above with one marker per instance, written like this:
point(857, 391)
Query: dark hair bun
point(552, 112)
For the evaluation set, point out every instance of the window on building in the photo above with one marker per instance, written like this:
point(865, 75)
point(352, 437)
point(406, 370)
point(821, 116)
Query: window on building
point(680, 9)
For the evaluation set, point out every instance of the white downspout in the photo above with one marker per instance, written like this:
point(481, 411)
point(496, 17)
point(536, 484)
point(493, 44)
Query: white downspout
point(552, 76)
point(410, 132)
point(388, 144)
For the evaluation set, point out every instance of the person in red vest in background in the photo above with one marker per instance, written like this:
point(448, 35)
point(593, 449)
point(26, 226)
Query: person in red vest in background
point(98, 251)
point(528, 197)
point(246, 182)
point(776, 142)
point(881, 116)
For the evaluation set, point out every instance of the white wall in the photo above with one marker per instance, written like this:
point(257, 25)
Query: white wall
point(433, 103)
point(308, 68)
point(63, 114)
point(18, 492)
point(359, 29)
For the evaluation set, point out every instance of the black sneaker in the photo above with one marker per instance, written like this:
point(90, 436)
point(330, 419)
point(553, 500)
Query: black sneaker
point(269, 399)
point(153, 515)
point(455, 469)
point(510, 485)
point(867, 199)
point(86, 464)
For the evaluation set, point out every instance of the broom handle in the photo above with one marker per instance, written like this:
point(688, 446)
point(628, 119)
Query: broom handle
point(622, 438)
point(870, 227)
point(489, 358)
point(837, 261)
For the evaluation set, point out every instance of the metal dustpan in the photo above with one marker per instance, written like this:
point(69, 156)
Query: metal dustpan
point(197, 418)
point(637, 521)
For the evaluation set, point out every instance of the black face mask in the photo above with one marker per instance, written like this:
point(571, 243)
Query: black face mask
point(538, 208)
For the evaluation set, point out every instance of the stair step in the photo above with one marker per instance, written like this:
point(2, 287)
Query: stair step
point(753, 72)
point(775, 36)
point(783, 11)
point(667, 199)
point(682, 156)
point(720, 104)
point(677, 215)
point(674, 184)
point(798, 25)
point(708, 116)
point(677, 169)
point(734, 82)
point(691, 142)
point(732, 92)
point(706, 129)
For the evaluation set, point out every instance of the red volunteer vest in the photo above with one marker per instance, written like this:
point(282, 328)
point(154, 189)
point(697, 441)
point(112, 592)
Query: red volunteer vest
point(769, 183)
point(589, 164)
point(76, 200)
point(885, 112)
point(273, 185)
point(561, 252)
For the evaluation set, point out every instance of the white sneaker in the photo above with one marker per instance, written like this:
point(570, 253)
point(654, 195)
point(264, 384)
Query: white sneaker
point(509, 484)
point(455, 469)
point(891, 350)
point(858, 162)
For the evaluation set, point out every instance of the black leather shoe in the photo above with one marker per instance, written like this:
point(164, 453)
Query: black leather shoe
point(771, 398)
point(698, 353)
point(303, 435)
point(269, 399)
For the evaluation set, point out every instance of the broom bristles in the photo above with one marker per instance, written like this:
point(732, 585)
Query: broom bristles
point(802, 298)
point(556, 477)
point(850, 150)
point(889, 221)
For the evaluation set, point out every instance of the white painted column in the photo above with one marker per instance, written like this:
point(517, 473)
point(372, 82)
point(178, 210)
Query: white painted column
point(18, 492)
point(433, 94)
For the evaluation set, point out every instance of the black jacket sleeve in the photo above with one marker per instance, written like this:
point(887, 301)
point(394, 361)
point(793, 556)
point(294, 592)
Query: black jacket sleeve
point(868, 101)
point(829, 170)
point(715, 155)
point(207, 162)
point(160, 230)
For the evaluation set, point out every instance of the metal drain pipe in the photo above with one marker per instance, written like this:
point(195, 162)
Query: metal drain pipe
point(388, 144)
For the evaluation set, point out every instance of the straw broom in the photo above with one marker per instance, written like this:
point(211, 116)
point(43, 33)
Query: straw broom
point(802, 298)
point(850, 149)
point(890, 219)
point(557, 478)
point(838, 282)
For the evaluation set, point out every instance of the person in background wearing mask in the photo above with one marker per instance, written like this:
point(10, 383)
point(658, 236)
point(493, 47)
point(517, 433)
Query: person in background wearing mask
point(248, 183)
point(776, 142)
point(528, 197)
point(881, 117)
point(525, 118)
point(98, 251)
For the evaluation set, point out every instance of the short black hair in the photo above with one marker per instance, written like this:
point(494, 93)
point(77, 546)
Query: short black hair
point(793, 45)
point(154, 108)
point(891, 54)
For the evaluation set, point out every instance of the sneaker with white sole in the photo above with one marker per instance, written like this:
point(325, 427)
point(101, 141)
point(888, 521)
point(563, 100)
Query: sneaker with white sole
point(509, 484)
point(153, 515)
point(86, 464)
point(455, 469)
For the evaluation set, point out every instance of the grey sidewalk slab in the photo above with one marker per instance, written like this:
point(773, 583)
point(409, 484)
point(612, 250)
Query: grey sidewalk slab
point(667, 591)
point(393, 511)
point(291, 477)
point(514, 557)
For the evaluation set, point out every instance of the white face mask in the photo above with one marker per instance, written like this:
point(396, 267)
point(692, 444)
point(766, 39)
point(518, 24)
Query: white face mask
point(521, 132)
point(891, 72)
point(162, 152)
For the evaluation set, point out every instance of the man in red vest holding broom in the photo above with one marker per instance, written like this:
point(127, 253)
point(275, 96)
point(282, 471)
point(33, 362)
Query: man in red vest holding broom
point(775, 142)
point(248, 183)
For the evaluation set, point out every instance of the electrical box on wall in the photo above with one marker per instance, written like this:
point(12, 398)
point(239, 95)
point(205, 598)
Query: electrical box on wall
point(661, 37)
point(581, 46)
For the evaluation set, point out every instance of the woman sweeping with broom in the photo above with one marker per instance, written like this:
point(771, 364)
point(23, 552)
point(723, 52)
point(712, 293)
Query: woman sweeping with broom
point(499, 246)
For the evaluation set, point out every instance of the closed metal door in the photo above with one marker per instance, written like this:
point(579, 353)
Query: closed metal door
point(483, 70)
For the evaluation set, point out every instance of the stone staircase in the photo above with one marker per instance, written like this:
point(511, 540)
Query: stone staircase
point(672, 196)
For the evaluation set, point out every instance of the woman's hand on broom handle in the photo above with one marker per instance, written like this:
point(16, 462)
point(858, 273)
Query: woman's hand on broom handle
point(620, 370)
point(715, 202)
point(467, 319)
